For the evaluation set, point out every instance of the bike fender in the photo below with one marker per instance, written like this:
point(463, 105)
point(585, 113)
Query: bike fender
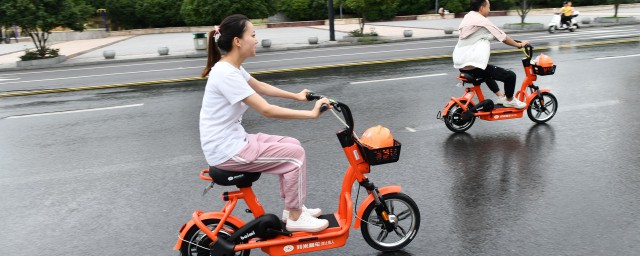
point(207, 215)
point(369, 199)
point(453, 101)
point(535, 94)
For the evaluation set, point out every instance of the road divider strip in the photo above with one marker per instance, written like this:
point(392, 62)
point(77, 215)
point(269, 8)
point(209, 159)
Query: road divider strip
point(354, 64)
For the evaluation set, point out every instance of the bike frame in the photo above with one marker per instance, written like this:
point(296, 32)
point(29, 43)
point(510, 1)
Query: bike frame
point(299, 242)
point(466, 101)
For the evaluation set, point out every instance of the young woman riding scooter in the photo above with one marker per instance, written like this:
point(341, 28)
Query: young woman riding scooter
point(471, 54)
point(229, 92)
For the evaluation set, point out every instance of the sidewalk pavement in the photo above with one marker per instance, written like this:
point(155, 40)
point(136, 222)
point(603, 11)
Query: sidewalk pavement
point(181, 45)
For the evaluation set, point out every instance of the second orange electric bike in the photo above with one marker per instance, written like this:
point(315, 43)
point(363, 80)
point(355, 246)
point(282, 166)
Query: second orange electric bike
point(460, 113)
point(389, 220)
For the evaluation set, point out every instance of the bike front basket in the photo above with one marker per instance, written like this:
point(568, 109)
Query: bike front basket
point(544, 71)
point(376, 156)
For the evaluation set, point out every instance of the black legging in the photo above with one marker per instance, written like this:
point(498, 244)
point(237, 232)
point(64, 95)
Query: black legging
point(566, 19)
point(493, 73)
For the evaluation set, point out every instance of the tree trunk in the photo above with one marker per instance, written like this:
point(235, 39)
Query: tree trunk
point(615, 7)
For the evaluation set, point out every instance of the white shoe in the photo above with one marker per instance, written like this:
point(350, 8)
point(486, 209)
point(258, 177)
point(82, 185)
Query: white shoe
point(501, 100)
point(307, 223)
point(314, 212)
point(515, 103)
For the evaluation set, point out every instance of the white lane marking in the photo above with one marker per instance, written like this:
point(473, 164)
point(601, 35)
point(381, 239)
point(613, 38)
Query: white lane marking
point(350, 54)
point(617, 57)
point(110, 74)
point(8, 79)
point(410, 129)
point(75, 111)
point(399, 78)
point(357, 47)
point(615, 35)
point(591, 105)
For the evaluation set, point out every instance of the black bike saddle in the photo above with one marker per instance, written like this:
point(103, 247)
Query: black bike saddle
point(229, 178)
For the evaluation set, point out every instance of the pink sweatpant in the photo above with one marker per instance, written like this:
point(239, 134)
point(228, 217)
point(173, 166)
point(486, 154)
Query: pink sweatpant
point(274, 154)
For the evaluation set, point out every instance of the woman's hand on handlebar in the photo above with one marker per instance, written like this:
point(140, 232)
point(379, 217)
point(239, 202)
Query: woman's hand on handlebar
point(302, 96)
point(320, 104)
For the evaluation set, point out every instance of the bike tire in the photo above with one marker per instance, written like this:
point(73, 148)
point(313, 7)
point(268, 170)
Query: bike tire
point(372, 223)
point(196, 243)
point(549, 100)
point(453, 119)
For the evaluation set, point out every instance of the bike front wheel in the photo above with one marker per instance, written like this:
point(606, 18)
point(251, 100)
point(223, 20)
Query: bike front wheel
point(542, 108)
point(407, 215)
point(197, 243)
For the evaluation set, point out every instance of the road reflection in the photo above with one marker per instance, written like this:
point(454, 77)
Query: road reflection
point(496, 178)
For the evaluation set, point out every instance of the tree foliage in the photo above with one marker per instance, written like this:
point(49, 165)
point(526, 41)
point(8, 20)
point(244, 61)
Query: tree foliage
point(210, 12)
point(37, 18)
point(372, 9)
point(129, 14)
point(304, 9)
point(414, 7)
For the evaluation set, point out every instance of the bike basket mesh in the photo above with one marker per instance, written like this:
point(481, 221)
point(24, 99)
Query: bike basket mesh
point(376, 156)
point(542, 71)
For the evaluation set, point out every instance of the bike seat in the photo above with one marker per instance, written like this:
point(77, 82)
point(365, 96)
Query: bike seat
point(229, 178)
point(468, 78)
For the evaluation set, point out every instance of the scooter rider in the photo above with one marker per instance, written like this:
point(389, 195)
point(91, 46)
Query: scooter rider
point(566, 13)
point(471, 54)
point(229, 92)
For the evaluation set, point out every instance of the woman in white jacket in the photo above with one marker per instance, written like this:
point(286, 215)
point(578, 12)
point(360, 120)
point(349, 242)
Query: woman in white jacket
point(472, 52)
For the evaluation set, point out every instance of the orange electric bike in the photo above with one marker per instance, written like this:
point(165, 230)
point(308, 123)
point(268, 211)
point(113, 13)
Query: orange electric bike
point(389, 220)
point(460, 113)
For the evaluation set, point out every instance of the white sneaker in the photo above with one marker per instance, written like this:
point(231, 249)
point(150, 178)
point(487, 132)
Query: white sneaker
point(501, 100)
point(314, 212)
point(515, 103)
point(307, 223)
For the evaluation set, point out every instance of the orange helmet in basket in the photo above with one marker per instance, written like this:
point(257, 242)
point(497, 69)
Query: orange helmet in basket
point(377, 137)
point(544, 61)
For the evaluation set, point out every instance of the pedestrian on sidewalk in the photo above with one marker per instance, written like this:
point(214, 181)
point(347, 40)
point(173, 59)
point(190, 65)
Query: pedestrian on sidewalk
point(229, 92)
point(471, 54)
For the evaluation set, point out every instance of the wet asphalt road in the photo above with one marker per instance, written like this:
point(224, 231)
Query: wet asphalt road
point(121, 181)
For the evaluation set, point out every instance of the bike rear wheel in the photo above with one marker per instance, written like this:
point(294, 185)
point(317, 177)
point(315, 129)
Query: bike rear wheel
point(400, 206)
point(453, 119)
point(542, 108)
point(197, 243)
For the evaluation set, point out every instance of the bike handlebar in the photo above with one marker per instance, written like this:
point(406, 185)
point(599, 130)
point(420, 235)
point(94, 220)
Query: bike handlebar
point(527, 49)
point(338, 106)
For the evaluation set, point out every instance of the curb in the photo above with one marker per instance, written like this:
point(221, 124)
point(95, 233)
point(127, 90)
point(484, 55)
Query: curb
point(433, 57)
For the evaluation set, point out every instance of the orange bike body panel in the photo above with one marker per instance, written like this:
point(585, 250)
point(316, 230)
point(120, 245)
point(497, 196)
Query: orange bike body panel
point(383, 191)
point(205, 216)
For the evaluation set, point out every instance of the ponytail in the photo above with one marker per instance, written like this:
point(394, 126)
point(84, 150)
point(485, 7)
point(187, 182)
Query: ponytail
point(213, 53)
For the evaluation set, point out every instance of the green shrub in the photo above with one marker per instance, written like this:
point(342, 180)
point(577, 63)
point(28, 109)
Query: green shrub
point(45, 53)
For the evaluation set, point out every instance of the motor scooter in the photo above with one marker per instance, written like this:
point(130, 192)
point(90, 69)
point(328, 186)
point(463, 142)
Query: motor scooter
point(555, 23)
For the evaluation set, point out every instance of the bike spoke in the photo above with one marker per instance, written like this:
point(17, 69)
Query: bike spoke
point(383, 235)
point(402, 233)
point(538, 114)
point(404, 214)
point(548, 104)
point(390, 206)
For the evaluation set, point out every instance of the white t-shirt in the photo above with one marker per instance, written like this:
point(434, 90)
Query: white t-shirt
point(221, 133)
point(473, 50)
